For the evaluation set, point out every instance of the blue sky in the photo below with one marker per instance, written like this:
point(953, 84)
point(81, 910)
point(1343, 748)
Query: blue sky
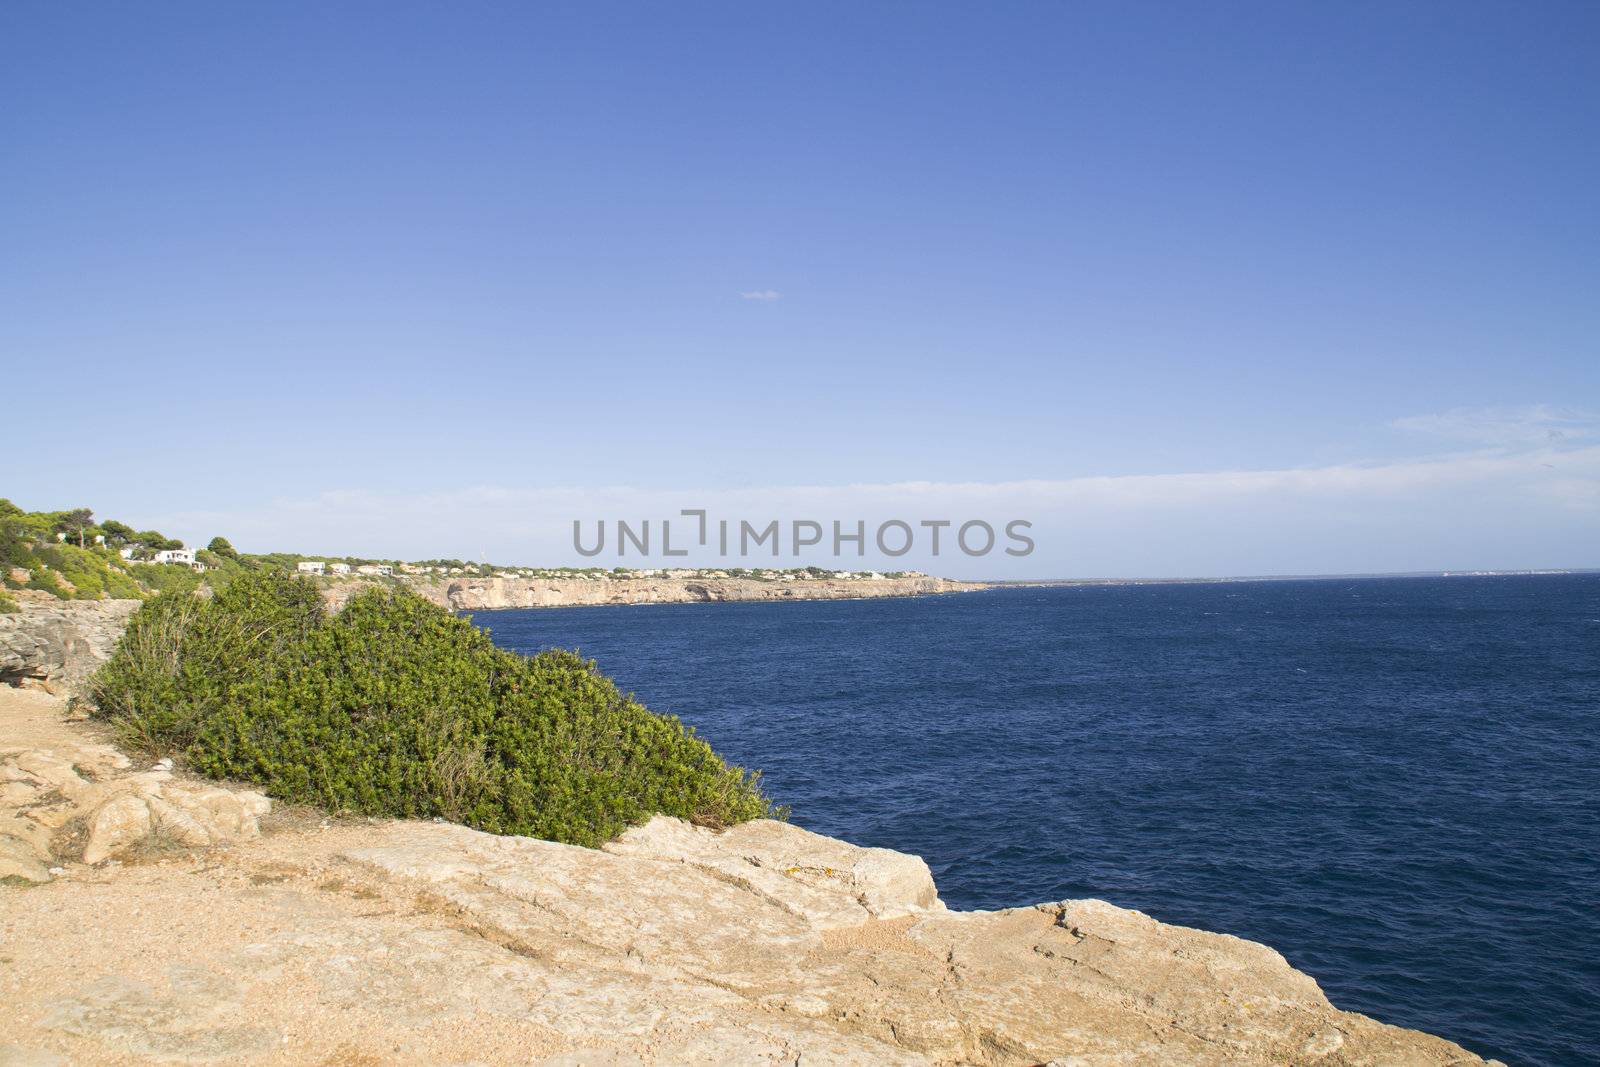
point(322, 276)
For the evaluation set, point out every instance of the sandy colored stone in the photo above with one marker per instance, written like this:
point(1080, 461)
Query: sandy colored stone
point(115, 825)
point(328, 941)
point(19, 859)
point(17, 1056)
point(482, 594)
point(823, 880)
point(64, 779)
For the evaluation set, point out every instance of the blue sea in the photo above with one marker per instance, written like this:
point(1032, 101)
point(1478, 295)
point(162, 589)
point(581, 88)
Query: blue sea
point(1394, 782)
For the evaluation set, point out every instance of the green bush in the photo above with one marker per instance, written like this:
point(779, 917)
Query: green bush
point(89, 570)
point(8, 605)
point(47, 581)
point(396, 707)
point(182, 655)
point(168, 577)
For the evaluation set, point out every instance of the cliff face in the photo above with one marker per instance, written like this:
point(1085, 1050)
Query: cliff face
point(57, 643)
point(356, 941)
point(480, 594)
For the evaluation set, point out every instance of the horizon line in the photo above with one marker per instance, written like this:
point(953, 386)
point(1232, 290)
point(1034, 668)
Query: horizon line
point(1511, 572)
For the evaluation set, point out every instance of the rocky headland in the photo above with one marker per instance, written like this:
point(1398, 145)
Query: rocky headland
point(482, 594)
point(57, 643)
point(146, 916)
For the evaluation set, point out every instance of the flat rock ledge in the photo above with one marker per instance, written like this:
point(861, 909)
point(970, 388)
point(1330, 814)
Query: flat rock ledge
point(378, 942)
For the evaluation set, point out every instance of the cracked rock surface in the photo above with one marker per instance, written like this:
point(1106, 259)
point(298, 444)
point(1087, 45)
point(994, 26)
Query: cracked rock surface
point(66, 798)
point(57, 643)
point(329, 941)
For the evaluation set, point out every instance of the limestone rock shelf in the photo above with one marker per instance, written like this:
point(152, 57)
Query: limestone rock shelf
point(386, 942)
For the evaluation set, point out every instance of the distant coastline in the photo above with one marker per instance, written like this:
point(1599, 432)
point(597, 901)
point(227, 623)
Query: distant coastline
point(1023, 583)
point(492, 593)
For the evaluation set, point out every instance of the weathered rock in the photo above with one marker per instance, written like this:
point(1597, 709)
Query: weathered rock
point(18, 859)
point(60, 642)
point(47, 793)
point(117, 824)
point(199, 1018)
point(791, 922)
point(17, 1056)
point(396, 942)
point(823, 880)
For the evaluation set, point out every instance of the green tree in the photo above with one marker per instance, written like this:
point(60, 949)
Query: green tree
point(77, 524)
point(155, 540)
point(15, 536)
point(117, 533)
point(221, 547)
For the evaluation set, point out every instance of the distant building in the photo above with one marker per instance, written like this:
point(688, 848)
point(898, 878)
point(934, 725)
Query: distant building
point(375, 569)
point(339, 568)
point(125, 553)
point(179, 557)
point(310, 566)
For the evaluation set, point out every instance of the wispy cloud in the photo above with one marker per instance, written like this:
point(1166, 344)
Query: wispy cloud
point(763, 295)
point(1535, 424)
point(1514, 507)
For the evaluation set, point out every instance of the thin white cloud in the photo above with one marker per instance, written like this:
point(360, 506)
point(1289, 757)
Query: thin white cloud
point(1535, 424)
point(1534, 507)
point(763, 295)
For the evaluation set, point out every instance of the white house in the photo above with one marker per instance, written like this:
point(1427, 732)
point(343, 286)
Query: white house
point(125, 553)
point(310, 566)
point(381, 569)
point(339, 568)
point(174, 555)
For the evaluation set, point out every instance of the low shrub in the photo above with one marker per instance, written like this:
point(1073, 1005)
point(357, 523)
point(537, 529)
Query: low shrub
point(120, 584)
point(396, 707)
point(92, 572)
point(8, 605)
point(168, 577)
point(182, 655)
point(46, 581)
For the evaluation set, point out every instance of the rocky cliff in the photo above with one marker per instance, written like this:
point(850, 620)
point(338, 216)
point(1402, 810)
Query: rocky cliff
point(57, 643)
point(477, 594)
point(364, 942)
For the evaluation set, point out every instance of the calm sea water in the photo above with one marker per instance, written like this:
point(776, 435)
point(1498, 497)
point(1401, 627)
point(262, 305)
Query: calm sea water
point(1394, 782)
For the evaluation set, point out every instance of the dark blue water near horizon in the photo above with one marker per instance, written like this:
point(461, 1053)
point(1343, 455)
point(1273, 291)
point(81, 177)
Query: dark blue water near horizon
point(1393, 782)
